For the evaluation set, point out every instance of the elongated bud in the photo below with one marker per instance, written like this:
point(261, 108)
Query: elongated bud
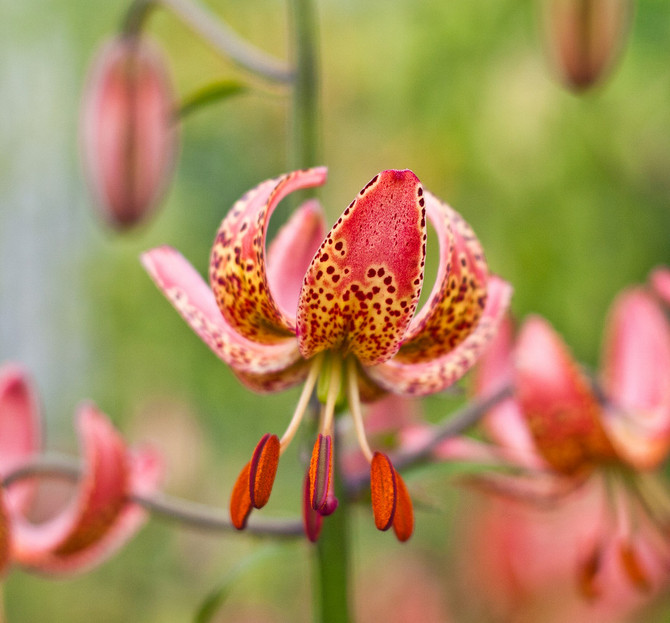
point(383, 490)
point(585, 37)
point(263, 469)
point(128, 131)
point(320, 471)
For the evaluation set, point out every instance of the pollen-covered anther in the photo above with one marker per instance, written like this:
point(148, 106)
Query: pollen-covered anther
point(263, 469)
point(240, 502)
point(320, 471)
point(403, 521)
point(633, 567)
point(383, 490)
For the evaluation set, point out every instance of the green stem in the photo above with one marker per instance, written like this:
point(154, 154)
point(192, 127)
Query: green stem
point(332, 564)
point(215, 31)
point(305, 122)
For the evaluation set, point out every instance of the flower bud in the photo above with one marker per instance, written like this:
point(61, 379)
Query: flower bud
point(584, 38)
point(129, 134)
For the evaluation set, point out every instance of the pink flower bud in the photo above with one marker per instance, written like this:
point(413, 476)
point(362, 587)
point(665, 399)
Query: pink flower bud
point(129, 134)
point(584, 37)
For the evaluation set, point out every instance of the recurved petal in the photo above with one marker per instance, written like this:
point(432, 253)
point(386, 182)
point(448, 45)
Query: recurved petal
point(270, 382)
point(238, 273)
point(99, 519)
point(363, 284)
point(556, 399)
point(290, 253)
point(458, 296)
point(192, 298)
point(20, 430)
point(428, 377)
point(636, 377)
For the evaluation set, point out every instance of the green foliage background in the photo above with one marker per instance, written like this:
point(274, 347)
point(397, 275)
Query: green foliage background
point(569, 195)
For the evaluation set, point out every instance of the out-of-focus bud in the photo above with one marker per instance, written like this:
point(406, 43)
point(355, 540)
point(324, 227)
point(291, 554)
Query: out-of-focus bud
point(128, 129)
point(584, 37)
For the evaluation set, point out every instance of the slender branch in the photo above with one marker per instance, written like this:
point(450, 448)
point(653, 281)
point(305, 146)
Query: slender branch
point(189, 513)
point(453, 425)
point(216, 32)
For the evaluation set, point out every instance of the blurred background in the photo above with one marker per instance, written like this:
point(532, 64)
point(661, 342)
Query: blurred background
point(570, 196)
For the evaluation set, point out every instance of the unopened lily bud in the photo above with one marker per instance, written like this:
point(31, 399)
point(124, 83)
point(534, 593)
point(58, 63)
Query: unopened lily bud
point(584, 37)
point(129, 134)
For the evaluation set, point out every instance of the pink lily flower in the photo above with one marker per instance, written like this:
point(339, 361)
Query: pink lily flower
point(337, 309)
point(606, 442)
point(99, 519)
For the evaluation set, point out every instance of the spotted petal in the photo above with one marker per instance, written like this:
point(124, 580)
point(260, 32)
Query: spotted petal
point(20, 434)
point(99, 519)
point(192, 298)
point(562, 412)
point(364, 282)
point(238, 273)
point(459, 294)
point(428, 377)
point(636, 377)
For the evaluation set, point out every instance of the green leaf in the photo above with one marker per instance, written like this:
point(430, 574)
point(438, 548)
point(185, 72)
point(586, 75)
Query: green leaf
point(210, 94)
point(215, 600)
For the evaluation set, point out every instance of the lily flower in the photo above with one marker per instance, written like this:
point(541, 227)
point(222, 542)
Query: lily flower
point(336, 312)
point(606, 438)
point(99, 519)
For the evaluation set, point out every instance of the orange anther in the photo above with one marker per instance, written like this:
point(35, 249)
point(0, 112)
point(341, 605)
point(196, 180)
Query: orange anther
point(320, 471)
point(263, 469)
point(587, 574)
point(240, 502)
point(403, 522)
point(633, 567)
point(383, 490)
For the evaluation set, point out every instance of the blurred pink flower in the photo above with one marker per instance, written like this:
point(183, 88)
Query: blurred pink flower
point(660, 282)
point(128, 129)
point(99, 519)
point(385, 595)
point(587, 458)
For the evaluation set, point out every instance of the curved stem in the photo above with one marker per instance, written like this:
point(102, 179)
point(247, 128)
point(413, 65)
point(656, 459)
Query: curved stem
point(213, 30)
point(189, 513)
point(453, 425)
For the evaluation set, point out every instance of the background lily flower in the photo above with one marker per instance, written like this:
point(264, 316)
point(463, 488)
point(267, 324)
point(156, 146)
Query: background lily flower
point(584, 38)
point(99, 519)
point(129, 134)
point(610, 442)
point(339, 309)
